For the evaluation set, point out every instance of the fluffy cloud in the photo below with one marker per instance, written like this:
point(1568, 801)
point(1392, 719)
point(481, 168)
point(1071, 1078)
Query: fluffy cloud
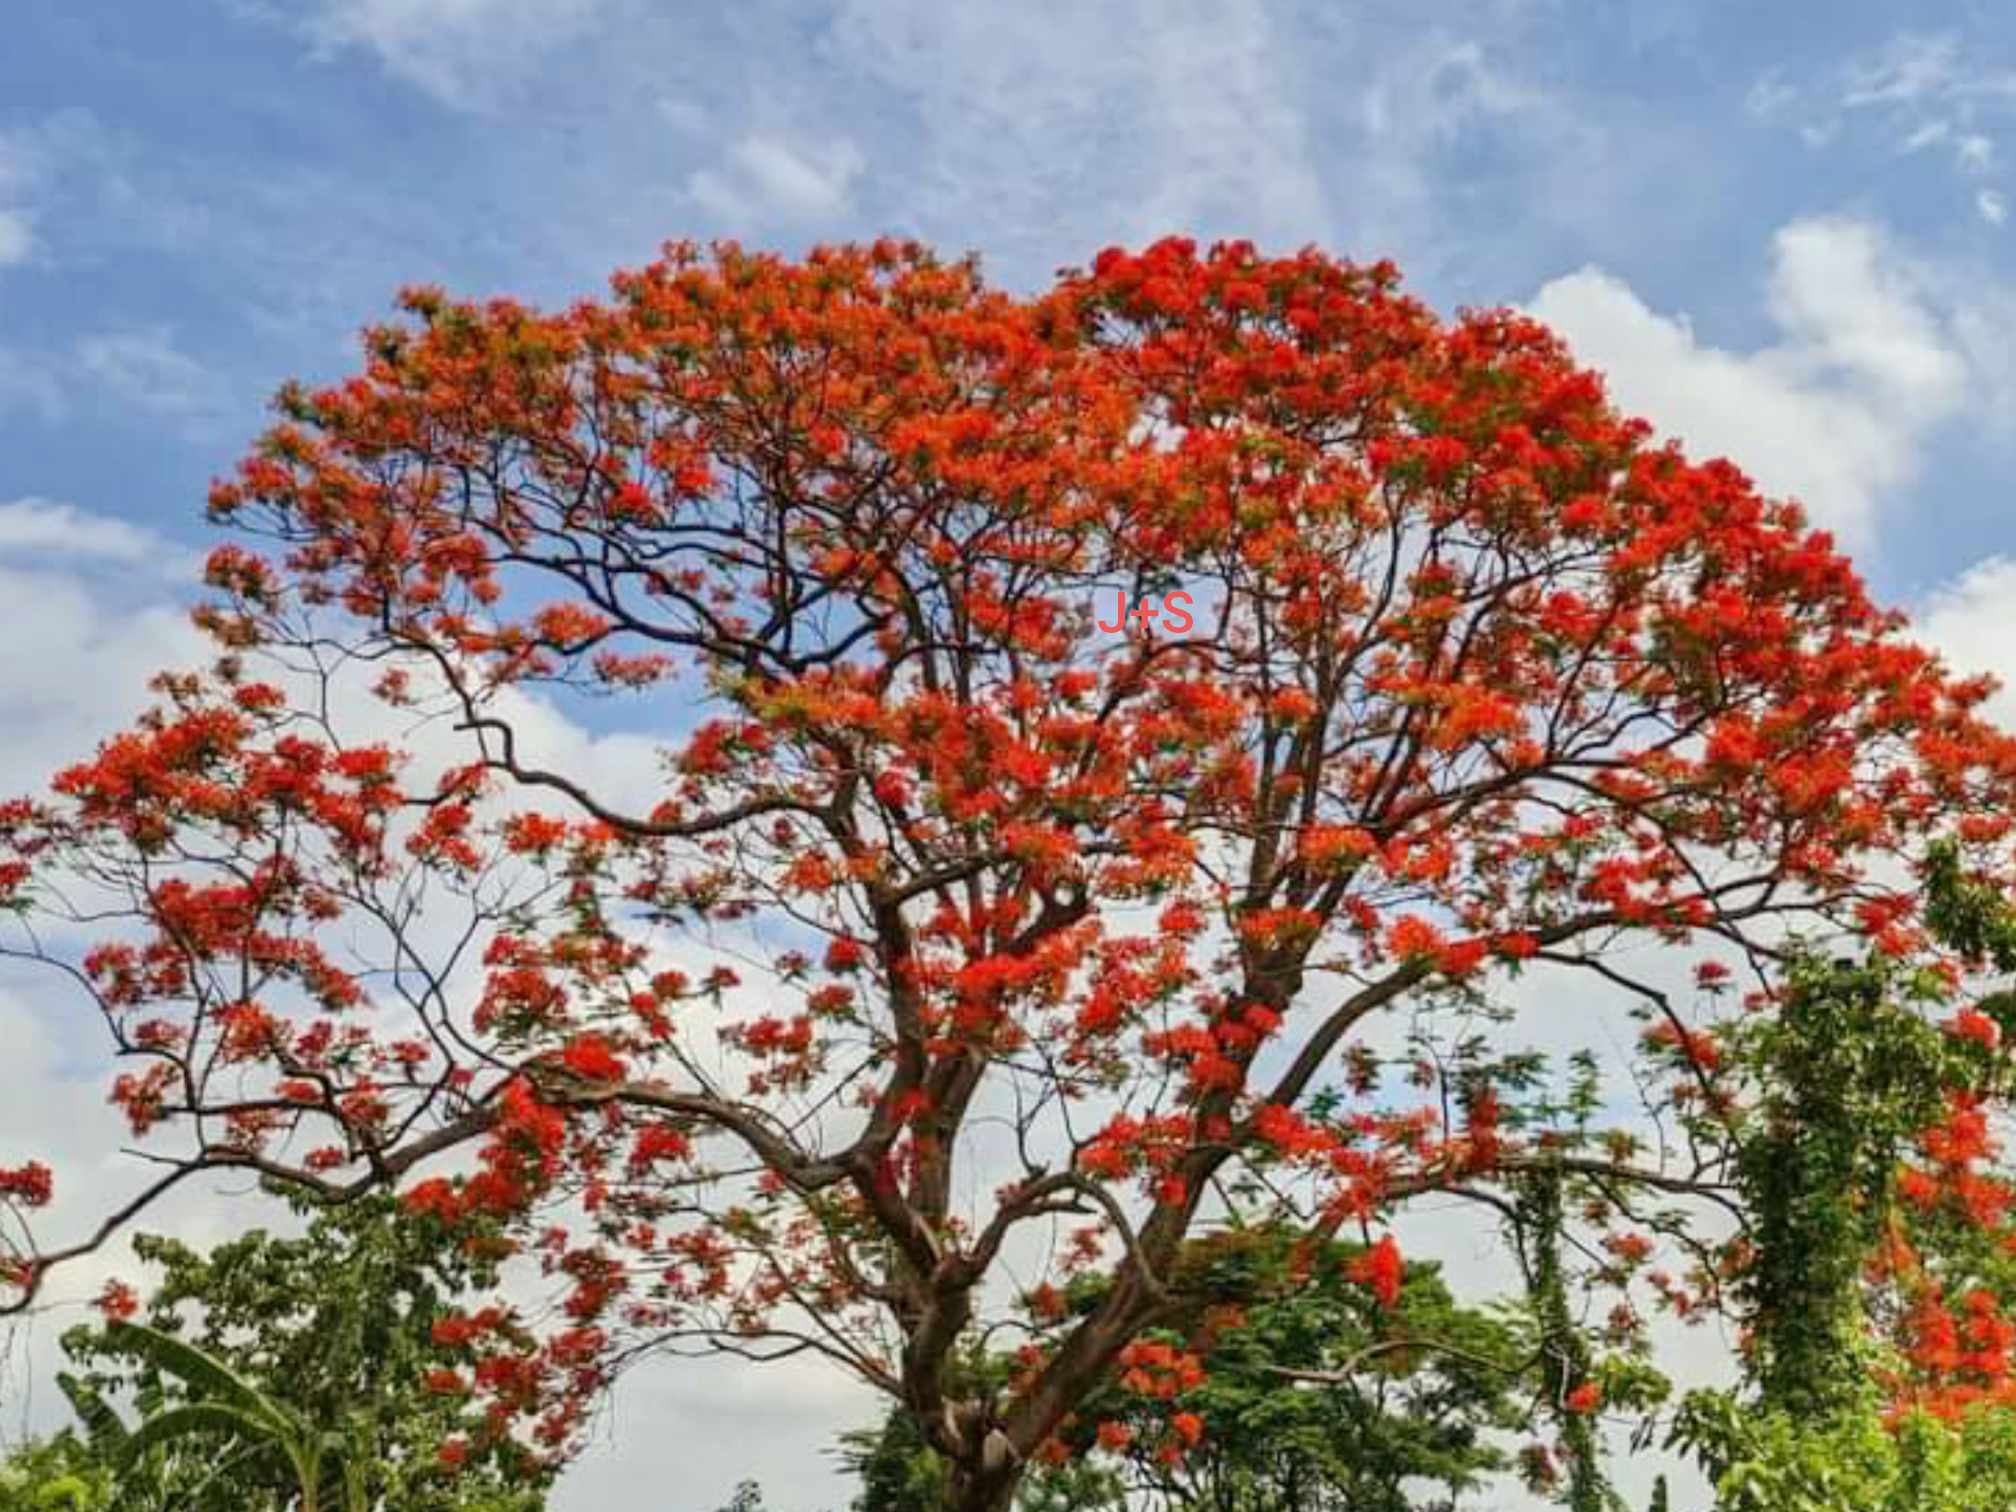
point(765, 179)
point(464, 52)
point(1149, 116)
point(144, 366)
point(61, 173)
point(1870, 357)
point(76, 666)
point(43, 528)
point(30, 157)
point(132, 370)
point(77, 662)
point(17, 237)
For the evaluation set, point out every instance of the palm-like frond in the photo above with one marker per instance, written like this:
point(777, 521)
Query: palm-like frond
point(103, 1428)
point(204, 1372)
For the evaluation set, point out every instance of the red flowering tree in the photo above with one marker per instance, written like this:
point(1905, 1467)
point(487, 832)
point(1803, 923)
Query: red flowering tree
point(960, 944)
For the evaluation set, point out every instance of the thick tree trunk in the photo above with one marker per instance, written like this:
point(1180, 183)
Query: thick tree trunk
point(983, 1491)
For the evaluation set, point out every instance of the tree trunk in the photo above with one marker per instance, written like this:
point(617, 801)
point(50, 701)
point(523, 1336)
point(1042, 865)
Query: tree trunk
point(975, 1490)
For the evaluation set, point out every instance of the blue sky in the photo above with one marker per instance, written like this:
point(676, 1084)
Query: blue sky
point(201, 197)
point(1787, 231)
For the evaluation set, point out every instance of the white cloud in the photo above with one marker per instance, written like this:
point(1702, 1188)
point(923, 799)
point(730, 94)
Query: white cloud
point(26, 163)
point(1770, 98)
point(1921, 92)
point(1836, 412)
point(1066, 124)
point(30, 382)
point(144, 366)
point(77, 664)
point(53, 167)
point(1232, 133)
point(45, 527)
point(140, 368)
point(17, 237)
point(465, 53)
point(1910, 69)
point(764, 178)
point(723, 1408)
point(1857, 310)
point(1931, 134)
point(1993, 206)
point(79, 653)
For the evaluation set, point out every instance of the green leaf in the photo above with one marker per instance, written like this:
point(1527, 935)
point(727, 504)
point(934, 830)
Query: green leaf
point(202, 1371)
point(192, 1418)
point(107, 1434)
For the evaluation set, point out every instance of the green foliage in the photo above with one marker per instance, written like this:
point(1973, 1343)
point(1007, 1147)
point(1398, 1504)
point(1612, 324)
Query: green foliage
point(278, 1372)
point(1970, 916)
point(255, 1432)
point(1565, 1357)
point(60, 1474)
point(1417, 1388)
point(1844, 1077)
point(898, 1470)
point(1846, 1074)
point(1850, 1461)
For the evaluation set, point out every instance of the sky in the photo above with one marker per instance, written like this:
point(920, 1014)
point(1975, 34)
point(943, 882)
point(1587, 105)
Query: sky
point(1786, 232)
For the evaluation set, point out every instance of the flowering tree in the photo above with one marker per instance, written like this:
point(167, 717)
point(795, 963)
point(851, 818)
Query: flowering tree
point(962, 946)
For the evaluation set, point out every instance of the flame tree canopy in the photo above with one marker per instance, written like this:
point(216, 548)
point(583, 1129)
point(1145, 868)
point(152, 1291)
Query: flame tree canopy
point(957, 948)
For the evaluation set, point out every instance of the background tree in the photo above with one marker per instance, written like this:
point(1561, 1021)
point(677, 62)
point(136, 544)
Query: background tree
point(1874, 1271)
point(325, 1366)
point(1050, 936)
point(242, 1431)
point(1310, 1390)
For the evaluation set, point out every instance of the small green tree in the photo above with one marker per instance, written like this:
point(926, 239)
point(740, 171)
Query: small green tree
point(320, 1466)
point(1322, 1394)
point(315, 1370)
